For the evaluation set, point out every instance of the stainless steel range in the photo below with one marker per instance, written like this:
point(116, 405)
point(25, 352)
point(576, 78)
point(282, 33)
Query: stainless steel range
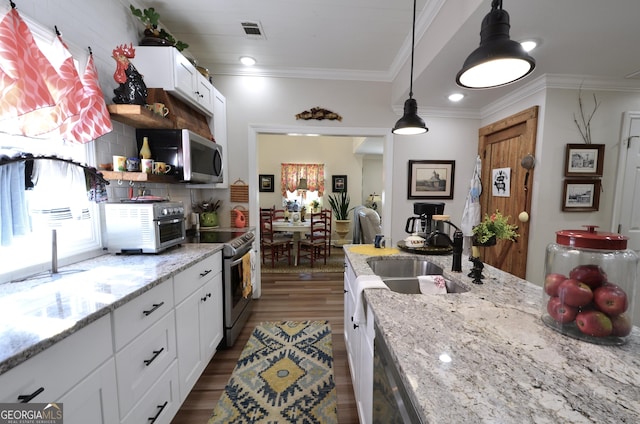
point(237, 299)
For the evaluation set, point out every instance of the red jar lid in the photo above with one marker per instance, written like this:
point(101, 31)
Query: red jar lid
point(591, 239)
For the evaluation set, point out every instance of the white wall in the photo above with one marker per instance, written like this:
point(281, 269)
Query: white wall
point(372, 172)
point(447, 139)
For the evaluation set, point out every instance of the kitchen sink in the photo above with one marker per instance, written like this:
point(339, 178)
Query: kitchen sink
point(400, 275)
point(409, 267)
point(412, 286)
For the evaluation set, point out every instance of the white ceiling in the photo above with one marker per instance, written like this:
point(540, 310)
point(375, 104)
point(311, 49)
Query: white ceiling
point(370, 40)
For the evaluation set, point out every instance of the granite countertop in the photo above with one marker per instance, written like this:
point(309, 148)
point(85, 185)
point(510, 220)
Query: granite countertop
point(506, 365)
point(40, 311)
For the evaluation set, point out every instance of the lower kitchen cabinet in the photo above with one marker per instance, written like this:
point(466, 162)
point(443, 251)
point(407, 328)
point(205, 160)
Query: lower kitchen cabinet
point(359, 343)
point(160, 403)
point(199, 324)
point(95, 399)
point(50, 374)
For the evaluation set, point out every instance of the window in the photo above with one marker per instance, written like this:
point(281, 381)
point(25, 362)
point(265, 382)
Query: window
point(58, 201)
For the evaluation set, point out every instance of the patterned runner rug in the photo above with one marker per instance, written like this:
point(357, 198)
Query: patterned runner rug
point(284, 375)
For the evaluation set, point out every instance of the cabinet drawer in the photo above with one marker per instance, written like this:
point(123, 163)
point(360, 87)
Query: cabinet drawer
point(161, 401)
point(61, 366)
point(135, 316)
point(194, 277)
point(143, 361)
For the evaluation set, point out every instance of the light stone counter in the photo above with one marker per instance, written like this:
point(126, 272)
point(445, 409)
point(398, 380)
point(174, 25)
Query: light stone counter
point(507, 366)
point(38, 312)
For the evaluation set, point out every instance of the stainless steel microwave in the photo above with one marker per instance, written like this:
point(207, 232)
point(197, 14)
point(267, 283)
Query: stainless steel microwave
point(193, 158)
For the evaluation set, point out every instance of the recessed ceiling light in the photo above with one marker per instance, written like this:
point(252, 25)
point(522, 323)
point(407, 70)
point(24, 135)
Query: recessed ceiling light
point(528, 45)
point(456, 97)
point(247, 61)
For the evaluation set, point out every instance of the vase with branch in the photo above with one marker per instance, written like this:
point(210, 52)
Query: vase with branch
point(584, 123)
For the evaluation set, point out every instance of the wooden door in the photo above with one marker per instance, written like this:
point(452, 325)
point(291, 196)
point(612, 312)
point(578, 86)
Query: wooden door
point(504, 144)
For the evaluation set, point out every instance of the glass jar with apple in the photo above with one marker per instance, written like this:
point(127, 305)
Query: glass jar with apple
point(589, 286)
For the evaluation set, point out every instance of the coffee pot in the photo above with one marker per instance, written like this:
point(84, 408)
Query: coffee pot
point(422, 224)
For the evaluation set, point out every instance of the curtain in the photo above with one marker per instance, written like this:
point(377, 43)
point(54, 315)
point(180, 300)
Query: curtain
point(291, 173)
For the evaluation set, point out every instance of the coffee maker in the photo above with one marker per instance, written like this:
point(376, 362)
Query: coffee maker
point(422, 224)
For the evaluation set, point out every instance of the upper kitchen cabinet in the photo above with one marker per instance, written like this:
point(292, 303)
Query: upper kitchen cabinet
point(167, 68)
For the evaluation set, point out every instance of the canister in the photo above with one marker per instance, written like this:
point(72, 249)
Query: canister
point(589, 286)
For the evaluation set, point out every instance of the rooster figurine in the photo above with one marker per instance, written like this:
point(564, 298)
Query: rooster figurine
point(132, 89)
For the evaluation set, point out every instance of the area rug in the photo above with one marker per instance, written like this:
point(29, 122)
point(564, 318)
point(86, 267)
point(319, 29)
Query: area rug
point(284, 375)
point(335, 263)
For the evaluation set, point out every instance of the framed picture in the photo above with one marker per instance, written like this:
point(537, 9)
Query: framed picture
point(266, 182)
point(338, 183)
point(431, 179)
point(583, 160)
point(581, 195)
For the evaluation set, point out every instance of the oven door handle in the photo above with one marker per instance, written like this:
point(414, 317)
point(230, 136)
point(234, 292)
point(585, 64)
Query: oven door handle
point(168, 221)
point(237, 258)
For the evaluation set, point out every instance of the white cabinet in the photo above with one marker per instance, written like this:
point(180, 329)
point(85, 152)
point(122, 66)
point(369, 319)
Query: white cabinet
point(95, 399)
point(359, 343)
point(220, 132)
point(77, 371)
point(167, 68)
point(199, 327)
point(144, 336)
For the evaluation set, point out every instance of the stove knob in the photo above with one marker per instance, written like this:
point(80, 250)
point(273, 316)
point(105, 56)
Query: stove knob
point(165, 211)
point(180, 210)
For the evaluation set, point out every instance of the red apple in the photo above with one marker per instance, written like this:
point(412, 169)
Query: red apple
point(574, 293)
point(591, 275)
point(561, 313)
point(594, 323)
point(610, 299)
point(551, 283)
point(621, 325)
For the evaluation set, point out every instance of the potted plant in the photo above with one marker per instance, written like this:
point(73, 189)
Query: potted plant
point(340, 207)
point(315, 205)
point(208, 211)
point(152, 35)
point(493, 228)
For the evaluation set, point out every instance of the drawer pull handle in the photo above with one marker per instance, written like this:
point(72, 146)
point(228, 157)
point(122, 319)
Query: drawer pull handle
point(202, 274)
point(28, 398)
point(148, 362)
point(150, 311)
point(355, 326)
point(153, 419)
point(204, 298)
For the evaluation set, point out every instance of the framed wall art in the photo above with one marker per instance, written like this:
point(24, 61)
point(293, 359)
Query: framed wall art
point(584, 160)
point(581, 195)
point(431, 179)
point(338, 183)
point(266, 182)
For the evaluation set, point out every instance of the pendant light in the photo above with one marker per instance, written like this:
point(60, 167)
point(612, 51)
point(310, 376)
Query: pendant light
point(411, 123)
point(499, 60)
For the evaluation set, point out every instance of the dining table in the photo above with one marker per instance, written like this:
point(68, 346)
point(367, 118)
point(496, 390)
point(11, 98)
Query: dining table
point(297, 228)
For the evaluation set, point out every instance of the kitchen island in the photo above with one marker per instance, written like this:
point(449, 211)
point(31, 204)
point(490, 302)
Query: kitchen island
point(506, 365)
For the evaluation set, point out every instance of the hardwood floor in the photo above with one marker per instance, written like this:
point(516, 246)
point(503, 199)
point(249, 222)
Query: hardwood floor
point(295, 297)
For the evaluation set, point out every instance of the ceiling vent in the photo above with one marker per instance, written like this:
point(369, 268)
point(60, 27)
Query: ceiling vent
point(253, 30)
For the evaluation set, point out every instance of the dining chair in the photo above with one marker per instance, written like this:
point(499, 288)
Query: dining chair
point(328, 215)
point(315, 247)
point(273, 248)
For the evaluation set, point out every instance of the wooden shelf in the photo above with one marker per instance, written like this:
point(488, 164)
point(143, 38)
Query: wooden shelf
point(138, 116)
point(139, 177)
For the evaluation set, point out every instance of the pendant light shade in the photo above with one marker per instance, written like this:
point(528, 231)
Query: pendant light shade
point(499, 60)
point(411, 123)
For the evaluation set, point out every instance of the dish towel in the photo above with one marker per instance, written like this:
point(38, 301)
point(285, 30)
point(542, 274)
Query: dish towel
point(365, 282)
point(432, 284)
point(246, 275)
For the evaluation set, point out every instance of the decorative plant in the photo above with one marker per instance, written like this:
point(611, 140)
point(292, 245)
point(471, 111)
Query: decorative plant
point(150, 18)
point(206, 206)
point(495, 225)
point(315, 204)
point(340, 205)
point(584, 126)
